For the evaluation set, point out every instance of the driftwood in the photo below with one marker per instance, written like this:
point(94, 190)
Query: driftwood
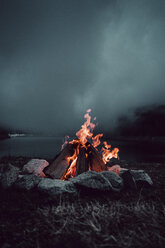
point(60, 164)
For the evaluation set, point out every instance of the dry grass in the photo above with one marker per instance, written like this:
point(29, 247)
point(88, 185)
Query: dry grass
point(131, 219)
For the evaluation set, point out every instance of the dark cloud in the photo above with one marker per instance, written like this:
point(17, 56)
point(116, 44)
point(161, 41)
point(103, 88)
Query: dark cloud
point(58, 58)
point(131, 66)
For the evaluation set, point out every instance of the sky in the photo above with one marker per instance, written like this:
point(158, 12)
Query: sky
point(61, 57)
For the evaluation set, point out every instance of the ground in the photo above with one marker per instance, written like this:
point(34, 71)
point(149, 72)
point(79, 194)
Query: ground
point(129, 219)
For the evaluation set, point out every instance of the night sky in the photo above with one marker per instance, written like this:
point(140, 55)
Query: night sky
point(61, 57)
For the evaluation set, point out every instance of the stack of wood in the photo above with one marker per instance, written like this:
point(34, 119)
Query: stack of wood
point(88, 159)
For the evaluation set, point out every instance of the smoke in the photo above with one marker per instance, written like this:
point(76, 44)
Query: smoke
point(58, 58)
point(130, 72)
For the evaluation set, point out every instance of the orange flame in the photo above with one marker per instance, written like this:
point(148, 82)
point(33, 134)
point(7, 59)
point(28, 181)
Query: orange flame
point(107, 154)
point(85, 133)
point(86, 129)
point(71, 172)
point(96, 140)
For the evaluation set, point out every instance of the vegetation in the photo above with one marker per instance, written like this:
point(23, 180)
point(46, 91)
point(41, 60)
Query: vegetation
point(129, 219)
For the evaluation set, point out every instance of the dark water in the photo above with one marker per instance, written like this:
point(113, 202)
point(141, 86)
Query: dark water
point(48, 147)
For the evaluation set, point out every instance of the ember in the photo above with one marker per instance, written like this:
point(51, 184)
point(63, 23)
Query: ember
point(81, 154)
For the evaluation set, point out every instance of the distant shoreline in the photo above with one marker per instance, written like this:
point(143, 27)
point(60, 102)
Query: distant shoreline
point(153, 139)
point(138, 138)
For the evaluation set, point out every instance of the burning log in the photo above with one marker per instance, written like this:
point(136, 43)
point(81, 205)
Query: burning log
point(95, 159)
point(57, 169)
point(82, 164)
point(63, 167)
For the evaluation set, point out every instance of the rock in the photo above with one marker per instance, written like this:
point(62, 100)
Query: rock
point(92, 180)
point(6, 245)
point(115, 180)
point(54, 187)
point(128, 179)
point(27, 182)
point(35, 166)
point(135, 178)
point(115, 168)
point(141, 178)
point(9, 175)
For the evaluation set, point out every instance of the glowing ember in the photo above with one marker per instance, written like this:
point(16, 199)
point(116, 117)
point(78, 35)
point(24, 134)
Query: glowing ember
point(84, 135)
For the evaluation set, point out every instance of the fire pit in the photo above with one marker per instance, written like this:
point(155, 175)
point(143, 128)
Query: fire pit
point(80, 166)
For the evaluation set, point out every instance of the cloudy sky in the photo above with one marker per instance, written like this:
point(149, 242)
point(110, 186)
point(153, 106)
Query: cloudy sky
point(61, 57)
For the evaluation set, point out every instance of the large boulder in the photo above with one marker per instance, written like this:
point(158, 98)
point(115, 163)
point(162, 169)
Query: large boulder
point(92, 180)
point(27, 182)
point(135, 178)
point(141, 178)
point(54, 187)
point(35, 166)
point(115, 180)
point(8, 175)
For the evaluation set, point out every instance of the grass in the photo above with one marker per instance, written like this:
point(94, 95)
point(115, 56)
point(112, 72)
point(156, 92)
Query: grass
point(129, 219)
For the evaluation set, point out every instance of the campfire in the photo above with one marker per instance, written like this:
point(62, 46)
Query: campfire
point(81, 154)
point(81, 166)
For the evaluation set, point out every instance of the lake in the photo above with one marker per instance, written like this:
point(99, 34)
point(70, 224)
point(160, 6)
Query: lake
point(48, 147)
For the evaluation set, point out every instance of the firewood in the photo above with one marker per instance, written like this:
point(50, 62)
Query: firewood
point(60, 164)
point(95, 159)
point(82, 164)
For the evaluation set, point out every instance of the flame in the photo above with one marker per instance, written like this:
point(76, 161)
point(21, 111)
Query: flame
point(71, 172)
point(83, 135)
point(106, 145)
point(86, 131)
point(96, 140)
point(107, 154)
